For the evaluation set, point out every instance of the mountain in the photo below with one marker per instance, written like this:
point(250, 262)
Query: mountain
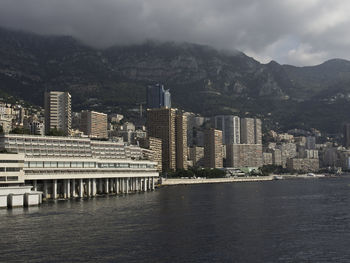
point(201, 79)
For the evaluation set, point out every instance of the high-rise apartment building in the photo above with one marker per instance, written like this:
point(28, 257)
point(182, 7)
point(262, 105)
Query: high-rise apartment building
point(247, 153)
point(181, 141)
point(346, 133)
point(157, 97)
point(247, 131)
point(196, 155)
point(171, 127)
point(230, 127)
point(58, 112)
point(94, 124)
point(257, 131)
point(213, 148)
point(251, 131)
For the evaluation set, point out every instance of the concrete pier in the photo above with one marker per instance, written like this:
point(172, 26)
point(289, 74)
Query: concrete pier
point(72, 188)
point(15, 200)
point(32, 199)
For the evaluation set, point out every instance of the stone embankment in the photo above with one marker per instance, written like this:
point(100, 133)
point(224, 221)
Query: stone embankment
point(178, 181)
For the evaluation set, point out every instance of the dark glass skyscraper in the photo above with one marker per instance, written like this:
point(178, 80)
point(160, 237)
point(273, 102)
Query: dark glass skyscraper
point(157, 97)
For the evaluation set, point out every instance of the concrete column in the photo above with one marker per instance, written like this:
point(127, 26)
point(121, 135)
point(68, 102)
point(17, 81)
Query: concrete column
point(88, 187)
point(68, 188)
point(54, 189)
point(35, 185)
point(117, 185)
point(139, 184)
point(81, 188)
point(74, 192)
point(65, 189)
point(106, 186)
point(153, 183)
point(149, 184)
point(127, 185)
point(94, 189)
point(100, 188)
point(45, 189)
point(111, 186)
point(145, 184)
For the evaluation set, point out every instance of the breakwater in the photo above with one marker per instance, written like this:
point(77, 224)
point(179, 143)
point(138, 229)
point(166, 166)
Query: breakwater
point(185, 181)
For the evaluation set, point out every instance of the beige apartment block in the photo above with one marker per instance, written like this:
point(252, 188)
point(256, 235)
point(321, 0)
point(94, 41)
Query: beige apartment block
point(58, 113)
point(244, 155)
point(213, 149)
point(303, 164)
point(94, 124)
point(161, 124)
point(181, 141)
point(247, 131)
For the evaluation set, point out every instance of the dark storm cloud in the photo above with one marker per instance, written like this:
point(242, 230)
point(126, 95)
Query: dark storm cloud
point(301, 32)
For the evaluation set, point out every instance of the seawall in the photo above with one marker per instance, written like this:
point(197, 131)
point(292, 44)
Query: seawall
point(167, 182)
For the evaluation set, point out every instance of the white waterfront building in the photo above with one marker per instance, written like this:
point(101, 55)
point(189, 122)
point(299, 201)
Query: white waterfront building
point(65, 167)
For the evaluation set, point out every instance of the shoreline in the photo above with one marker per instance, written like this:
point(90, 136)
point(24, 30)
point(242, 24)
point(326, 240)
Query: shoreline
point(185, 181)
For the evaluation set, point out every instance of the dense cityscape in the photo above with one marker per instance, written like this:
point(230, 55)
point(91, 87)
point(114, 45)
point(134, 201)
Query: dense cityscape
point(172, 143)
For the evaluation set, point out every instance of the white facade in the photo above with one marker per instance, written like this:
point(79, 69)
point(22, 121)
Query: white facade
point(69, 167)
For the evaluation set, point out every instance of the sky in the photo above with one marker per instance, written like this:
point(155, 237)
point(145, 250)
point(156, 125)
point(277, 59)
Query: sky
point(296, 32)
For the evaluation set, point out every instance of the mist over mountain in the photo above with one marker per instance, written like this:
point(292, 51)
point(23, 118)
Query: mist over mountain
point(201, 79)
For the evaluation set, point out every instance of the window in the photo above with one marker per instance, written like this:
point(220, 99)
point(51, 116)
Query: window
point(124, 165)
point(11, 161)
point(12, 178)
point(13, 169)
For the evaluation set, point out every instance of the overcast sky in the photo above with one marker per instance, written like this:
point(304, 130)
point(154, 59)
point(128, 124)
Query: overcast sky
point(298, 32)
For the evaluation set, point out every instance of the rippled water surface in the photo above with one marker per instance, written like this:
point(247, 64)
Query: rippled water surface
point(280, 221)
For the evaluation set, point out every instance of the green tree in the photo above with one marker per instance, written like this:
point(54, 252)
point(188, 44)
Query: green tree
point(55, 132)
point(20, 131)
